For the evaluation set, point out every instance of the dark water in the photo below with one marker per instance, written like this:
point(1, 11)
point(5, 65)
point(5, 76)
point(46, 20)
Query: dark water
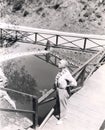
point(34, 75)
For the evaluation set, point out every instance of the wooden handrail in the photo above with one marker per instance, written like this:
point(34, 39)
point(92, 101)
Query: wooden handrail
point(22, 93)
point(17, 110)
point(46, 95)
point(87, 62)
point(34, 106)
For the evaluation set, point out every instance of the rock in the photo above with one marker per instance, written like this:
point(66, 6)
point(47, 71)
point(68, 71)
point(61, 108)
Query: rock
point(64, 4)
point(87, 13)
point(13, 127)
point(39, 10)
point(24, 122)
point(17, 6)
point(99, 23)
point(81, 20)
point(29, 129)
point(92, 18)
point(82, 1)
point(98, 14)
point(85, 6)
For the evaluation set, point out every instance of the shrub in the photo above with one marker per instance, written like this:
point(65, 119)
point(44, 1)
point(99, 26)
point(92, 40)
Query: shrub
point(17, 5)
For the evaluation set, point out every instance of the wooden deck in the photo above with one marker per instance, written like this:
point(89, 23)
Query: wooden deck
point(86, 107)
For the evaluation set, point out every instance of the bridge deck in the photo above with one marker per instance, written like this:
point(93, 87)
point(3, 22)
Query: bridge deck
point(86, 107)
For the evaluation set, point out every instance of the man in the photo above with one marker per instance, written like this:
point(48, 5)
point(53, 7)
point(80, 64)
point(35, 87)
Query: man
point(63, 80)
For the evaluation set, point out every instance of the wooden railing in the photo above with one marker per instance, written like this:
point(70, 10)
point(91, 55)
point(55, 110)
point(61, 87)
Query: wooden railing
point(34, 111)
point(35, 103)
point(13, 33)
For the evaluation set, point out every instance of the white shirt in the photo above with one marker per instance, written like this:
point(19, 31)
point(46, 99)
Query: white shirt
point(62, 78)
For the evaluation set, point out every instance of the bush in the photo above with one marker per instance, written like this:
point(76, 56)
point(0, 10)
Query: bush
point(17, 6)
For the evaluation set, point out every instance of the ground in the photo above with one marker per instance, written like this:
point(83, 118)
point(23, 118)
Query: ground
point(82, 16)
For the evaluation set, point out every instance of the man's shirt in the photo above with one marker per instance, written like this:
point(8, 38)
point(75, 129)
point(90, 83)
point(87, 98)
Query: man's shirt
point(63, 77)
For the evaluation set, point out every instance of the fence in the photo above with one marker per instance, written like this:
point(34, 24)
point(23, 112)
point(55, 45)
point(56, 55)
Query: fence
point(12, 33)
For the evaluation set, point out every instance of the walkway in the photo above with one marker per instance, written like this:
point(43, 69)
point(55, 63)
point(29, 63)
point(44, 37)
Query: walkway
point(86, 107)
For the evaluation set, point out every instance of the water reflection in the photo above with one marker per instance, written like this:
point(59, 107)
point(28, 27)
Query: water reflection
point(32, 74)
point(31, 71)
point(48, 57)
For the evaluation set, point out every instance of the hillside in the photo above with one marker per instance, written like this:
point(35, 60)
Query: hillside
point(82, 16)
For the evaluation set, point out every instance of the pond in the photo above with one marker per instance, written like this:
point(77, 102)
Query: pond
point(33, 75)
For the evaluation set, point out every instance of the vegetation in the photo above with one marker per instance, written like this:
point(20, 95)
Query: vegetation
point(82, 16)
point(19, 79)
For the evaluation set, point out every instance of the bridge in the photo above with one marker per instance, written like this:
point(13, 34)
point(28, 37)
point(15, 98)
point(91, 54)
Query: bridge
point(86, 107)
point(85, 74)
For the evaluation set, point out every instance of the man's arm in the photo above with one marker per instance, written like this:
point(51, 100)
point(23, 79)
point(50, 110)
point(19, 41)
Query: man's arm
point(71, 81)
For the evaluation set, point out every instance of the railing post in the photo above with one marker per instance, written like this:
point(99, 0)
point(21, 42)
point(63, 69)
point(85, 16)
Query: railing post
point(35, 115)
point(36, 38)
point(83, 76)
point(1, 38)
point(84, 47)
point(16, 35)
point(57, 40)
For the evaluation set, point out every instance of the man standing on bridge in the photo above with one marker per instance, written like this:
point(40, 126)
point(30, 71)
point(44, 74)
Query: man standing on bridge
point(63, 81)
